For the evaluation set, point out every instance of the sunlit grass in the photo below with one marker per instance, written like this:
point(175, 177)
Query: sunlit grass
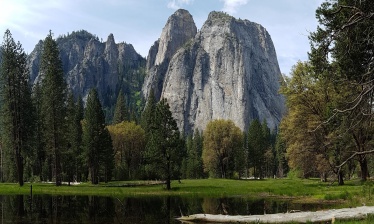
point(353, 192)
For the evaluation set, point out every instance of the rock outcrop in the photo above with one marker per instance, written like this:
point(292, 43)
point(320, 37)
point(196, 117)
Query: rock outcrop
point(227, 70)
point(91, 63)
point(179, 29)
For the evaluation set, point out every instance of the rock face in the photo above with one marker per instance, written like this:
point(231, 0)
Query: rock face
point(179, 29)
point(228, 70)
point(90, 63)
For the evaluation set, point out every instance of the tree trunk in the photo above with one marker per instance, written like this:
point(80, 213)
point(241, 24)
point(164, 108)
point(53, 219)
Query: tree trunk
point(364, 167)
point(323, 177)
point(57, 169)
point(168, 178)
point(340, 178)
point(19, 165)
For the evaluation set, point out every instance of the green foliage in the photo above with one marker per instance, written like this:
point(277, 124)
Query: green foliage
point(314, 146)
point(148, 115)
point(96, 139)
point(258, 140)
point(128, 143)
point(16, 111)
point(53, 108)
point(280, 149)
point(120, 113)
point(341, 53)
point(39, 151)
point(342, 195)
point(73, 168)
point(164, 146)
point(222, 148)
point(194, 168)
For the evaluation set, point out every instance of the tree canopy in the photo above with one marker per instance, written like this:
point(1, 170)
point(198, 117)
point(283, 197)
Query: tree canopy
point(223, 145)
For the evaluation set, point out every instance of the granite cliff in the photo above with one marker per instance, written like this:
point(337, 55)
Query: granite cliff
point(91, 63)
point(227, 70)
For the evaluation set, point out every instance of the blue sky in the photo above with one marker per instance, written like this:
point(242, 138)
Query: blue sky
point(140, 22)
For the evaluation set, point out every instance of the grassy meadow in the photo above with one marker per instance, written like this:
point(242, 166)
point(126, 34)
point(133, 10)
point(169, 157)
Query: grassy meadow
point(353, 192)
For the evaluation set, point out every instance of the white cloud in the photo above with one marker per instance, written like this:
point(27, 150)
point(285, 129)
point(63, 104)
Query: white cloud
point(177, 4)
point(230, 6)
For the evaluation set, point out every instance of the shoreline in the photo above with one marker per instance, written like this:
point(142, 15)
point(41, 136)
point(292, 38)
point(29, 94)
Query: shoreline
point(300, 217)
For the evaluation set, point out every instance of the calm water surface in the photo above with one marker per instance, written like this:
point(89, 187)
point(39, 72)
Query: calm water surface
point(94, 209)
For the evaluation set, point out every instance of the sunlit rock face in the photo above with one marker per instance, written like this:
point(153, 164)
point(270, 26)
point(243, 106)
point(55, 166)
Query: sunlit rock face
point(227, 70)
point(91, 63)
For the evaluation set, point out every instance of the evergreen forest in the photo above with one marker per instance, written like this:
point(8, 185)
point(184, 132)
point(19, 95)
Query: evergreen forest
point(48, 134)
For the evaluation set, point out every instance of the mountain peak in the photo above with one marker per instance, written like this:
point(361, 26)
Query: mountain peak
point(110, 39)
point(216, 15)
point(179, 28)
point(231, 72)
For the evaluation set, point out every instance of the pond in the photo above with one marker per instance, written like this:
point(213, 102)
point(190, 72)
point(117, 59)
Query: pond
point(94, 209)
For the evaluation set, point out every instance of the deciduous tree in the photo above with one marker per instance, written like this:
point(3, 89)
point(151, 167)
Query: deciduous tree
point(222, 142)
point(341, 51)
point(128, 143)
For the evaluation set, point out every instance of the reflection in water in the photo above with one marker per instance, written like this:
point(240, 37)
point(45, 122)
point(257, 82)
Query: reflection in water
point(93, 209)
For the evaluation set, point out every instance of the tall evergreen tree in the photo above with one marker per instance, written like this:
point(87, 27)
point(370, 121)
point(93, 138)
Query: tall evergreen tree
point(78, 142)
point(120, 113)
point(164, 147)
point(195, 168)
point(53, 104)
point(148, 115)
point(107, 155)
point(39, 143)
point(256, 148)
point(73, 137)
point(16, 106)
point(96, 139)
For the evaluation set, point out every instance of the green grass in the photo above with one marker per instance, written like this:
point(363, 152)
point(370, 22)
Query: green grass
point(368, 220)
point(353, 193)
point(312, 189)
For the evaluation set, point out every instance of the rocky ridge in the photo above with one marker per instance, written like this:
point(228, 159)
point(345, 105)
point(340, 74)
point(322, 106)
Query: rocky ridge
point(91, 63)
point(227, 70)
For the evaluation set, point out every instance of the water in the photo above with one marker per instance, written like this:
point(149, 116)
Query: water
point(94, 209)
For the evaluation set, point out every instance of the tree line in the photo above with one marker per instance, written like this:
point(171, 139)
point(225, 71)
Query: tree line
point(47, 134)
point(328, 129)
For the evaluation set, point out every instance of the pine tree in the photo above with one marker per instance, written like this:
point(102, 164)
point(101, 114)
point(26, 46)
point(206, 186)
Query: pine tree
point(73, 137)
point(120, 113)
point(148, 114)
point(107, 155)
point(165, 143)
point(16, 106)
point(96, 139)
point(53, 104)
point(256, 148)
point(39, 143)
point(194, 152)
point(77, 143)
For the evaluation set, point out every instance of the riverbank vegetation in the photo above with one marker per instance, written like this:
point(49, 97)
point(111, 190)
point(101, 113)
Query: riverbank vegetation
point(353, 193)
